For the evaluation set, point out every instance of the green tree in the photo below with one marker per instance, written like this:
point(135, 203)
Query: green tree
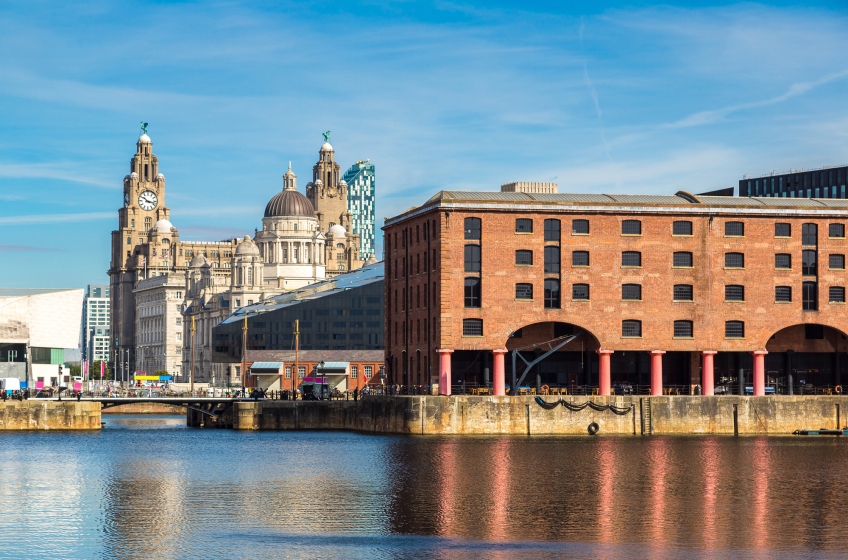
point(94, 371)
point(161, 372)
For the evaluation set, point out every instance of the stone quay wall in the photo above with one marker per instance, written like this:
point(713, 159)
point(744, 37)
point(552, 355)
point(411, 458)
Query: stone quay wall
point(49, 415)
point(469, 415)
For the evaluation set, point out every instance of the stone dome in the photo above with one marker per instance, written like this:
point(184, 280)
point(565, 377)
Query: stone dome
point(145, 139)
point(163, 226)
point(289, 203)
point(338, 231)
point(342, 183)
point(160, 176)
point(198, 261)
point(325, 147)
point(247, 247)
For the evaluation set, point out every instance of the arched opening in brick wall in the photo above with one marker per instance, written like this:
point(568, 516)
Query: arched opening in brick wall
point(810, 356)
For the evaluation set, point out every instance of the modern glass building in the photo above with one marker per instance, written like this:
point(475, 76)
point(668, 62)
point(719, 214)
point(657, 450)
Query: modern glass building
point(827, 182)
point(361, 185)
point(96, 318)
point(343, 313)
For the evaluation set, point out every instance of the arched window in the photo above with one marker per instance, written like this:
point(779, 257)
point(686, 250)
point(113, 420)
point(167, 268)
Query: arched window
point(294, 227)
point(340, 246)
point(472, 228)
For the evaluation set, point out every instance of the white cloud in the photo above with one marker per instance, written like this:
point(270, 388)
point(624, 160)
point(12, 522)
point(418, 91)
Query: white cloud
point(55, 218)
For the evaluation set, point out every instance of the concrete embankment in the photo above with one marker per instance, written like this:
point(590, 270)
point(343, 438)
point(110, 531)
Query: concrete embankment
point(49, 415)
point(467, 415)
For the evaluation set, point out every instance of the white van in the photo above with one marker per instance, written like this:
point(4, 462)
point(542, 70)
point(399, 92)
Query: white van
point(10, 384)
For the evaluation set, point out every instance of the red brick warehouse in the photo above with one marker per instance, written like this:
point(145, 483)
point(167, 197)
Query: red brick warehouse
point(663, 291)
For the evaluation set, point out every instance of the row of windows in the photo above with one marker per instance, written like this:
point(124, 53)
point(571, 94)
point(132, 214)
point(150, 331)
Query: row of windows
point(630, 328)
point(680, 259)
point(633, 292)
point(809, 232)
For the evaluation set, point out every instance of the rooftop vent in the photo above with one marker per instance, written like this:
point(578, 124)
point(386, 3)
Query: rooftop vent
point(525, 187)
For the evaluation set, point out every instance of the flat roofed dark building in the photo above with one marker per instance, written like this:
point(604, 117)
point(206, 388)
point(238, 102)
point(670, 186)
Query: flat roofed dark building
point(828, 182)
point(343, 313)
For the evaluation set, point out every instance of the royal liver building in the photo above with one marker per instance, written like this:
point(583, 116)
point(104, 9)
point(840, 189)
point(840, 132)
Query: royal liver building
point(160, 285)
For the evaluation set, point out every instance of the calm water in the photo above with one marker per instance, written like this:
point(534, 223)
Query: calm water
point(147, 487)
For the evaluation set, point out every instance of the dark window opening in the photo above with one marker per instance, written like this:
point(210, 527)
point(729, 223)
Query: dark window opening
point(682, 259)
point(681, 228)
point(783, 230)
point(682, 292)
point(837, 262)
point(472, 258)
point(783, 294)
point(734, 292)
point(580, 258)
point(551, 259)
point(734, 260)
point(631, 328)
point(524, 291)
point(552, 230)
point(631, 292)
point(580, 292)
point(631, 258)
point(472, 327)
point(631, 227)
point(809, 296)
point(734, 229)
point(683, 329)
point(836, 230)
point(783, 260)
point(523, 225)
point(473, 228)
point(734, 329)
point(552, 298)
point(809, 266)
point(837, 294)
point(472, 292)
point(523, 257)
point(580, 227)
point(809, 234)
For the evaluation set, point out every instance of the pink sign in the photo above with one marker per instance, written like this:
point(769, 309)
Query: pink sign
point(39, 385)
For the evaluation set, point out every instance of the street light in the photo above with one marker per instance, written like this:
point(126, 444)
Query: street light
point(323, 379)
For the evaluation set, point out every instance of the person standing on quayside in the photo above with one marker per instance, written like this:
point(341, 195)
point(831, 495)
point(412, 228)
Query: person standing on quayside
point(355, 394)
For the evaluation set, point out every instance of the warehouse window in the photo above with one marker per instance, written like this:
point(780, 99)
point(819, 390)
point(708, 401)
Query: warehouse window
point(682, 292)
point(580, 292)
point(783, 260)
point(837, 294)
point(472, 327)
point(837, 262)
point(523, 257)
point(473, 228)
point(631, 328)
point(580, 258)
point(472, 258)
point(682, 259)
point(809, 266)
point(683, 329)
point(734, 260)
point(734, 292)
point(836, 230)
point(552, 230)
point(809, 296)
point(631, 292)
point(631, 258)
point(809, 234)
point(552, 294)
point(631, 227)
point(782, 230)
point(580, 227)
point(523, 225)
point(551, 259)
point(734, 329)
point(734, 229)
point(683, 227)
point(524, 291)
point(472, 292)
point(783, 294)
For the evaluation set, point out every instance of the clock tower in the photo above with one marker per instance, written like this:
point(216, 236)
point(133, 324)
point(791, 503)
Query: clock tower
point(144, 206)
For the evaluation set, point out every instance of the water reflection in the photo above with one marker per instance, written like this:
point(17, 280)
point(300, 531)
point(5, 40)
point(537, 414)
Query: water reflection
point(141, 491)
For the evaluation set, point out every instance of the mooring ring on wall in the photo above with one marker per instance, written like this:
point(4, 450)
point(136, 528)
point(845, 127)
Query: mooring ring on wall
point(593, 428)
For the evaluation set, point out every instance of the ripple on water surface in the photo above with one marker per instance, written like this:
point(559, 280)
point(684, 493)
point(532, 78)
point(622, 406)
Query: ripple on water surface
point(148, 487)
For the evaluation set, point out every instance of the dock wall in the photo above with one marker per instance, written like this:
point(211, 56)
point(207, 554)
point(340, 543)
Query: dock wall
point(49, 415)
point(467, 415)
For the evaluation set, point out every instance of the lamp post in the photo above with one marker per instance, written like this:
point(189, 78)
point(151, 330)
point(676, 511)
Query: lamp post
point(323, 379)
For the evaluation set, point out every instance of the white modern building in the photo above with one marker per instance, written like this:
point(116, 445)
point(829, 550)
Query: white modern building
point(36, 327)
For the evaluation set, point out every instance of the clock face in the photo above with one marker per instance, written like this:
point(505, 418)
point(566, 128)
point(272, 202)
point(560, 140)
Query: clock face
point(147, 200)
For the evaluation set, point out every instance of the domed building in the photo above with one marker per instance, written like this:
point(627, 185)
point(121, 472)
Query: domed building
point(291, 244)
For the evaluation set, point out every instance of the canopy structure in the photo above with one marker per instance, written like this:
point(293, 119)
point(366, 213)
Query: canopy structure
point(266, 368)
point(330, 368)
point(154, 377)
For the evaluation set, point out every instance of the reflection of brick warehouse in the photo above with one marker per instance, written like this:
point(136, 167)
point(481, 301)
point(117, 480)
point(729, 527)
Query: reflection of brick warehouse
point(659, 286)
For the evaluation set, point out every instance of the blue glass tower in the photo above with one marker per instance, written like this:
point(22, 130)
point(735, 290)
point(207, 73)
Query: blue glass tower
point(361, 184)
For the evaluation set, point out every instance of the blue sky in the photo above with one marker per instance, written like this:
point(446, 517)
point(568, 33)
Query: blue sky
point(626, 97)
